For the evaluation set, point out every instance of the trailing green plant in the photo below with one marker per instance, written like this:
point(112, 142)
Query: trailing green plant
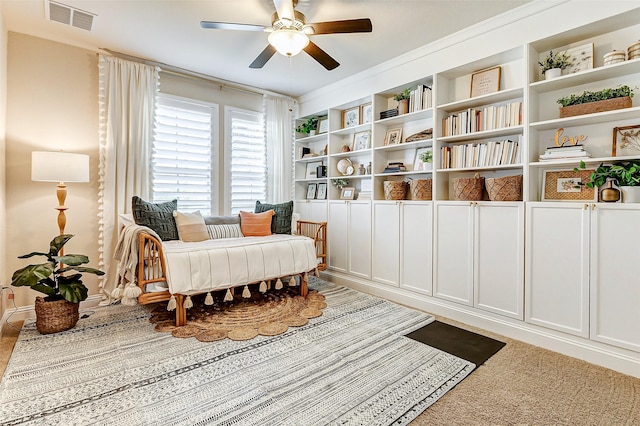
point(555, 60)
point(310, 124)
point(49, 278)
point(426, 156)
point(602, 95)
point(405, 94)
point(339, 182)
point(625, 173)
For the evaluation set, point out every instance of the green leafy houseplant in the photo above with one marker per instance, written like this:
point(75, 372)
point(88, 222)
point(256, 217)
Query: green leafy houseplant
point(308, 126)
point(602, 95)
point(339, 183)
point(426, 157)
point(555, 60)
point(625, 173)
point(49, 278)
point(405, 94)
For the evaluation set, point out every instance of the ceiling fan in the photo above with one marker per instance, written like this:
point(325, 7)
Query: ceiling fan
point(289, 33)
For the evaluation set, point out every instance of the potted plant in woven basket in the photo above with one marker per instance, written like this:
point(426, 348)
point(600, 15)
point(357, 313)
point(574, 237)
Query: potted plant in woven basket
point(591, 102)
point(58, 311)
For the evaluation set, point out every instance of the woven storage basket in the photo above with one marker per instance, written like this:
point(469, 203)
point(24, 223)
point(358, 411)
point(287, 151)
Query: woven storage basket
point(506, 188)
point(394, 190)
point(420, 189)
point(52, 317)
point(468, 189)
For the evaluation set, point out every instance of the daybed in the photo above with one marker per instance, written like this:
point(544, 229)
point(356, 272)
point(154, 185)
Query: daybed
point(154, 267)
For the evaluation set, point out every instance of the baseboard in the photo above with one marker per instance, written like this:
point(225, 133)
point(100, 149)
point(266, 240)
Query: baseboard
point(618, 359)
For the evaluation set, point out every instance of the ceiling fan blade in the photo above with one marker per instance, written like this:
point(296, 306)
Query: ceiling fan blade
point(284, 9)
point(321, 56)
point(347, 26)
point(263, 57)
point(231, 26)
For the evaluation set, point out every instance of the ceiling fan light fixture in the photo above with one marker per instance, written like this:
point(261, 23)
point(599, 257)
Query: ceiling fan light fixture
point(288, 42)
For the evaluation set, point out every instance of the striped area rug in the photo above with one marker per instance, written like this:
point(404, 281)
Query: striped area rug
point(351, 366)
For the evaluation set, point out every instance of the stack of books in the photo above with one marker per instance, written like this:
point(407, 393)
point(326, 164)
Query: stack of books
point(395, 167)
point(564, 152)
point(388, 113)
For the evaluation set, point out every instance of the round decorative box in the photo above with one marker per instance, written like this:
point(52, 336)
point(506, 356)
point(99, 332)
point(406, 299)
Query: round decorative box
point(614, 57)
point(634, 50)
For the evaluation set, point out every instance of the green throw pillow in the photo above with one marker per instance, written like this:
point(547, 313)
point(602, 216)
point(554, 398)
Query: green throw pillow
point(281, 222)
point(157, 216)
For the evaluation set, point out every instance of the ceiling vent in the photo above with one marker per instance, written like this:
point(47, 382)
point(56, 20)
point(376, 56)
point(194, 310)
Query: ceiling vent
point(68, 15)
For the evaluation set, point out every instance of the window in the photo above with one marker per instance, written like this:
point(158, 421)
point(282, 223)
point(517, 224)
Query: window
point(183, 153)
point(246, 157)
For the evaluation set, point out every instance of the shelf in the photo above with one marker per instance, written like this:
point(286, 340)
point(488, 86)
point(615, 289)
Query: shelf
point(405, 118)
point(310, 159)
point(483, 135)
point(581, 120)
point(310, 180)
point(352, 130)
point(405, 145)
point(588, 76)
point(575, 161)
point(351, 153)
point(407, 173)
point(488, 99)
point(350, 177)
point(485, 168)
point(314, 138)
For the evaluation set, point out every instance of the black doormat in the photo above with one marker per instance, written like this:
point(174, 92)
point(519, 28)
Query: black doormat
point(456, 341)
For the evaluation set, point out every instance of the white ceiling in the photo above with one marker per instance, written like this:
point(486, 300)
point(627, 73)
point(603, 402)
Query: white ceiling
point(168, 31)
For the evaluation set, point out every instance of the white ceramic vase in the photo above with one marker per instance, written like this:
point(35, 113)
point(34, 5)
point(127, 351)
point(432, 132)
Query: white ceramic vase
point(630, 194)
point(427, 166)
point(552, 73)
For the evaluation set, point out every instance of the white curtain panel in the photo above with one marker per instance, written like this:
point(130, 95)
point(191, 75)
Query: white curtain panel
point(127, 102)
point(278, 117)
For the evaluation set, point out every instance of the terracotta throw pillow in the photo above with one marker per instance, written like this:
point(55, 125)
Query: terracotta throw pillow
point(191, 226)
point(256, 224)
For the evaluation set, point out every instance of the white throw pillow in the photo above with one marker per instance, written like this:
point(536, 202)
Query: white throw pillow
point(224, 231)
point(190, 226)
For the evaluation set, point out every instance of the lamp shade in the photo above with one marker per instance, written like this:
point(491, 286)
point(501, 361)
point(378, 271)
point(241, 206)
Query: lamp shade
point(59, 167)
point(288, 42)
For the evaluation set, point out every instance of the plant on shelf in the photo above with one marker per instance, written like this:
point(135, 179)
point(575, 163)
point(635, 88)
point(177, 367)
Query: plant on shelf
point(555, 61)
point(426, 157)
point(405, 94)
point(602, 95)
point(308, 126)
point(625, 173)
point(339, 183)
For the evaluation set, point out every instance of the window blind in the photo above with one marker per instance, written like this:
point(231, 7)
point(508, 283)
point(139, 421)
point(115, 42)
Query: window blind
point(182, 153)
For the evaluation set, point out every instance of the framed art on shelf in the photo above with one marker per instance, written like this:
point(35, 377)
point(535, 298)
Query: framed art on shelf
point(393, 137)
point(485, 81)
point(567, 185)
point(418, 164)
point(351, 117)
point(311, 191)
point(361, 140)
point(312, 170)
point(323, 125)
point(626, 141)
point(348, 193)
point(366, 113)
point(322, 191)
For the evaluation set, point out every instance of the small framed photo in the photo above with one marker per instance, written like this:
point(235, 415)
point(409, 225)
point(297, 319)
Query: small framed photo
point(311, 191)
point(361, 140)
point(567, 185)
point(418, 164)
point(351, 117)
point(323, 125)
point(366, 113)
point(312, 169)
point(626, 141)
point(393, 137)
point(348, 193)
point(485, 81)
point(322, 191)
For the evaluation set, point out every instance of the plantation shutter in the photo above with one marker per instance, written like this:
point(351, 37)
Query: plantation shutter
point(248, 156)
point(182, 154)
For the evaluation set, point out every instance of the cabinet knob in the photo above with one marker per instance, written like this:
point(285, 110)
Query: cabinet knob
point(593, 206)
point(586, 206)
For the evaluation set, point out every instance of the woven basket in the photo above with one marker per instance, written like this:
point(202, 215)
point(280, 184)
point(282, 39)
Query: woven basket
point(55, 316)
point(506, 188)
point(394, 190)
point(420, 189)
point(468, 189)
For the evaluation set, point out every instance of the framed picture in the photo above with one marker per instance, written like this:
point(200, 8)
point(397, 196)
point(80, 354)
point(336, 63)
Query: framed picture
point(393, 137)
point(323, 125)
point(347, 193)
point(418, 164)
point(485, 81)
point(311, 191)
point(312, 170)
point(366, 113)
point(322, 191)
point(567, 185)
point(351, 117)
point(361, 140)
point(626, 141)
point(581, 58)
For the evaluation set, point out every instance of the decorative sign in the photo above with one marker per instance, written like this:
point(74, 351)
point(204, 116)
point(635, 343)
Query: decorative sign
point(560, 140)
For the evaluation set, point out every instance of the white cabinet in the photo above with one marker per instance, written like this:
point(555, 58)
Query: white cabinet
point(479, 253)
point(402, 244)
point(312, 210)
point(349, 237)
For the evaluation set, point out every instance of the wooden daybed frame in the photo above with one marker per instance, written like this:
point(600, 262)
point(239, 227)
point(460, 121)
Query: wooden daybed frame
point(151, 266)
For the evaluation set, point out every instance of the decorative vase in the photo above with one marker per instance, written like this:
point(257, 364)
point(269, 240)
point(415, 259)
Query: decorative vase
point(427, 166)
point(609, 194)
point(55, 316)
point(403, 106)
point(552, 73)
point(312, 132)
point(630, 194)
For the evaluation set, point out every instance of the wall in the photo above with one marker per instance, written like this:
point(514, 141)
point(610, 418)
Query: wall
point(52, 104)
point(3, 117)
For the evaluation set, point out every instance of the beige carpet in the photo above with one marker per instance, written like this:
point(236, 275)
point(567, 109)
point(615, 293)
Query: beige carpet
point(520, 385)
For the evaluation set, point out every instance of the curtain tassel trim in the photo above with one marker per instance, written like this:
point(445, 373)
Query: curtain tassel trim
point(209, 299)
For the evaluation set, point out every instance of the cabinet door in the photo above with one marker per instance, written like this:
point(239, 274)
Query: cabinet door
point(359, 238)
point(386, 248)
point(318, 211)
point(499, 258)
point(416, 239)
point(614, 277)
point(303, 208)
point(337, 234)
point(453, 252)
point(557, 266)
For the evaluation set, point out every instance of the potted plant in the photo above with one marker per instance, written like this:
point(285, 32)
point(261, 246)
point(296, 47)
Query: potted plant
point(554, 63)
point(403, 100)
point(339, 183)
point(427, 158)
point(625, 173)
point(309, 127)
point(58, 311)
point(590, 102)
